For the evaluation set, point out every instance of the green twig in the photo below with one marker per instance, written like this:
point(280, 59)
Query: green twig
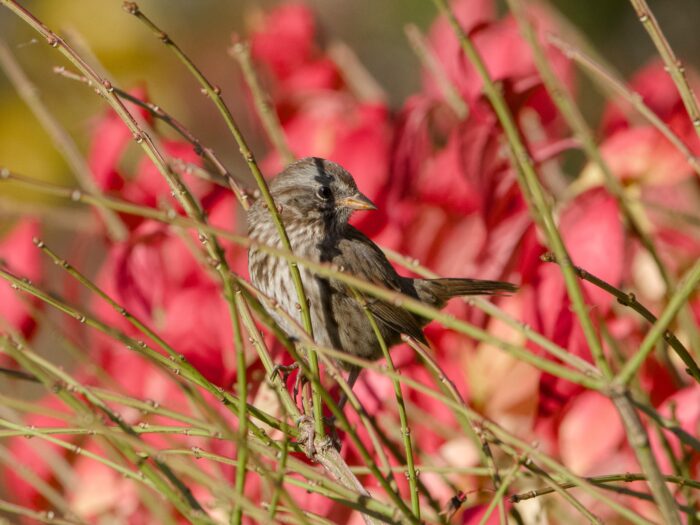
point(531, 187)
point(555, 487)
point(224, 178)
point(630, 300)
point(263, 104)
point(608, 81)
point(497, 499)
point(428, 59)
point(673, 64)
point(659, 330)
point(214, 94)
point(405, 430)
point(60, 137)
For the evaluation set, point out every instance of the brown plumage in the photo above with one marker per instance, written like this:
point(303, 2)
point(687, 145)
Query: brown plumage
point(315, 198)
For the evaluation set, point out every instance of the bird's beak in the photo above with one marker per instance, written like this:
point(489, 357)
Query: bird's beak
point(357, 202)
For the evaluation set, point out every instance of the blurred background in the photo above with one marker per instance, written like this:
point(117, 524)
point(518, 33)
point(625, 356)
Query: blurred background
point(131, 54)
point(203, 28)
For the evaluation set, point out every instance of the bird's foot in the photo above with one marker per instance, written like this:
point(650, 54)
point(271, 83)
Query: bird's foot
point(299, 384)
point(283, 371)
point(307, 435)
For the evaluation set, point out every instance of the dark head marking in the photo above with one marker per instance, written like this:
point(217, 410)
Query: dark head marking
point(318, 189)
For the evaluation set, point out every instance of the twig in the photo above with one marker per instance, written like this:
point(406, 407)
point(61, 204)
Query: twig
point(226, 180)
point(607, 80)
point(141, 348)
point(659, 329)
point(627, 477)
point(405, 430)
point(672, 426)
point(240, 50)
point(48, 516)
point(639, 441)
point(179, 494)
point(497, 499)
point(673, 64)
point(214, 94)
point(61, 139)
point(630, 300)
point(468, 424)
point(358, 79)
point(428, 59)
point(531, 187)
point(554, 487)
point(19, 374)
point(511, 443)
point(492, 310)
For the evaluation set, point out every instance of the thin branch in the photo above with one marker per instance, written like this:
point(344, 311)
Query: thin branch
point(659, 330)
point(627, 477)
point(538, 201)
point(240, 50)
point(552, 484)
point(226, 178)
point(63, 142)
point(630, 300)
point(608, 81)
point(214, 94)
point(430, 62)
point(638, 439)
point(493, 310)
point(405, 430)
point(673, 65)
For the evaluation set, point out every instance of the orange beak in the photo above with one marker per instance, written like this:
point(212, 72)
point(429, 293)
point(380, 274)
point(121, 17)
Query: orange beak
point(357, 202)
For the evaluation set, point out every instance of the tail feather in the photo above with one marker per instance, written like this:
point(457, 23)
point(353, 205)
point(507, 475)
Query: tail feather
point(438, 291)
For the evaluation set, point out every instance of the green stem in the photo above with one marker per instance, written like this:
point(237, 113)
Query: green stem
point(554, 487)
point(500, 492)
point(214, 94)
point(659, 329)
point(263, 104)
point(60, 137)
point(531, 187)
point(673, 64)
point(630, 300)
point(405, 430)
point(609, 83)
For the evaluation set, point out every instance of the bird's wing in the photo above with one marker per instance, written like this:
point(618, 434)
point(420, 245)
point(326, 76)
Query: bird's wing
point(359, 256)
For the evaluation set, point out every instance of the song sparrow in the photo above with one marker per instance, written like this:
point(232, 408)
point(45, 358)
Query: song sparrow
point(315, 198)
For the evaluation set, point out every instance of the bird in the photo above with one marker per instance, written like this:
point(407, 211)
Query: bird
point(315, 199)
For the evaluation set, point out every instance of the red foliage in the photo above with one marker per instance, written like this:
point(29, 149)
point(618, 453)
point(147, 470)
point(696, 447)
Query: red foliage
point(448, 196)
point(23, 259)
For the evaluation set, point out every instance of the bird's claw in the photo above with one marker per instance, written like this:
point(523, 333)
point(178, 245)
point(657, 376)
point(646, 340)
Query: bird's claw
point(307, 434)
point(299, 384)
point(307, 437)
point(283, 371)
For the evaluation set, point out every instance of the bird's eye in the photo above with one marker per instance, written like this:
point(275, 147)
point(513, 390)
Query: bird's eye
point(325, 193)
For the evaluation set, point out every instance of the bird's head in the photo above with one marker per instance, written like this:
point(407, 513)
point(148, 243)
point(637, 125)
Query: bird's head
point(318, 189)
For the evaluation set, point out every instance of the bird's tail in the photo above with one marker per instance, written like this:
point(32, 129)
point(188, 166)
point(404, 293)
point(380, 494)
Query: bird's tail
point(437, 292)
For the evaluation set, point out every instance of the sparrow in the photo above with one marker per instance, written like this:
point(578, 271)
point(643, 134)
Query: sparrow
point(315, 199)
